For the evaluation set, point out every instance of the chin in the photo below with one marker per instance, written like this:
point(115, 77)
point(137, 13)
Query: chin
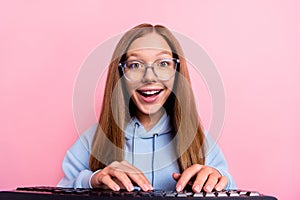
point(151, 110)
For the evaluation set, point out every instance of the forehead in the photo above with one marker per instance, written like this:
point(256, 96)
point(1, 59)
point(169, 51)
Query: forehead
point(151, 41)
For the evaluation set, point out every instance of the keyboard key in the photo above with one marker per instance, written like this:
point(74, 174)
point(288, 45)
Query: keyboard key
point(158, 193)
point(254, 194)
point(94, 193)
point(181, 194)
point(145, 194)
point(189, 194)
point(221, 194)
point(210, 194)
point(105, 193)
point(234, 194)
point(130, 194)
point(117, 194)
point(68, 191)
point(171, 194)
point(81, 191)
point(198, 194)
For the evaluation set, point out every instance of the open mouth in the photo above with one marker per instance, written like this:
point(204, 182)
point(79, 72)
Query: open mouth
point(149, 93)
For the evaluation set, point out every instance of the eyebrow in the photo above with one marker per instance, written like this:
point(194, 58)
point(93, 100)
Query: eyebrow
point(164, 52)
point(134, 54)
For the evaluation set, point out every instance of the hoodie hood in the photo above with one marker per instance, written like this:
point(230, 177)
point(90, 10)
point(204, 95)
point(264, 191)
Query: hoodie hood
point(136, 129)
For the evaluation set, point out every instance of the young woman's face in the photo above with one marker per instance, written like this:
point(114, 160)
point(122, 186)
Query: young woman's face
point(150, 92)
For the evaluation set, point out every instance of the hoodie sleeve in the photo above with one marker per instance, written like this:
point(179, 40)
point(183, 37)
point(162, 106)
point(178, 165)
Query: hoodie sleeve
point(75, 164)
point(216, 159)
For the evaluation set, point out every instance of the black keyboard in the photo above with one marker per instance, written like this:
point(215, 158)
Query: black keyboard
point(56, 193)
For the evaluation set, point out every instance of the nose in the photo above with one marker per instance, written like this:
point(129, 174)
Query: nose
point(149, 75)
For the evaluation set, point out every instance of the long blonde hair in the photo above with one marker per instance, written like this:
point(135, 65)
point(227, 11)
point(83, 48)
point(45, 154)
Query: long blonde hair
point(109, 139)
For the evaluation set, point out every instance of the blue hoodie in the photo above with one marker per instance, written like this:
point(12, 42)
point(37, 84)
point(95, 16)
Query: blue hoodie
point(153, 152)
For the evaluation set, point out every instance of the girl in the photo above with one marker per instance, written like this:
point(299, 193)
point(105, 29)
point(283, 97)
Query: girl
point(149, 133)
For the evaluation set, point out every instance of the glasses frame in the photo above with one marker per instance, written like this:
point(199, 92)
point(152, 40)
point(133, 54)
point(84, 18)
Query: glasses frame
point(123, 66)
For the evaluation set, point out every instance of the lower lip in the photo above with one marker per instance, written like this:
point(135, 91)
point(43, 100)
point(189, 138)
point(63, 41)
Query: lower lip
point(150, 99)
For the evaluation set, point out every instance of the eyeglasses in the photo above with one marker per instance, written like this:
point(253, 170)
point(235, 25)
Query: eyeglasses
point(163, 69)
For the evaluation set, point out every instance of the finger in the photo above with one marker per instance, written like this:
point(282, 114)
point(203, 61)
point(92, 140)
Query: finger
point(176, 176)
point(211, 182)
point(223, 181)
point(121, 177)
point(137, 176)
point(187, 175)
point(106, 180)
point(122, 187)
point(126, 172)
point(201, 178)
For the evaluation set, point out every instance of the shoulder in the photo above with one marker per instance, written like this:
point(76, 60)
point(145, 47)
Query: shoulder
point(214, 154)
point(85, 140)
point(89, 133)
point(212, 149)
point(210, 141)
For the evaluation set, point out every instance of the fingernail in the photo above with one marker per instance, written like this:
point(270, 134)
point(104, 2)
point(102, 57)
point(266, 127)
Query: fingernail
point(197, 188)
point(149, 187)
point(218, 188)
point(116, 188)
point(178, 188)
point(129, 187)
point(145, 187)
point(208, 188)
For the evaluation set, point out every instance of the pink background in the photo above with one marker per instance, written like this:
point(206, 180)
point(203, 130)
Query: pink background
point(254, 45)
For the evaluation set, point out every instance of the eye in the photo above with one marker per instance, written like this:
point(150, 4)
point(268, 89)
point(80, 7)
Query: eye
point(165, 63)
point(134, 65)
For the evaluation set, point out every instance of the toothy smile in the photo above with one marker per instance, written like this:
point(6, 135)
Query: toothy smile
point(148, 93)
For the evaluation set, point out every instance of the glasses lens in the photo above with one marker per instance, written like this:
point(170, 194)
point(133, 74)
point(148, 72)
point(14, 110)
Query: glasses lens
point(134, 70)
point(165, 68)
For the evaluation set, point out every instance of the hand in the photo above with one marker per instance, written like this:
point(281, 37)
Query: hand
point(119, 175)
point(200, 177)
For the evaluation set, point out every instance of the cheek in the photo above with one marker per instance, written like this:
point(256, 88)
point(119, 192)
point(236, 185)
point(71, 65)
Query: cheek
point(169, 89)
point(131, 88)
point(170, 84)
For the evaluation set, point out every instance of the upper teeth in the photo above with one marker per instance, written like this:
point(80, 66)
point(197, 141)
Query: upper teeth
point(150, 92)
